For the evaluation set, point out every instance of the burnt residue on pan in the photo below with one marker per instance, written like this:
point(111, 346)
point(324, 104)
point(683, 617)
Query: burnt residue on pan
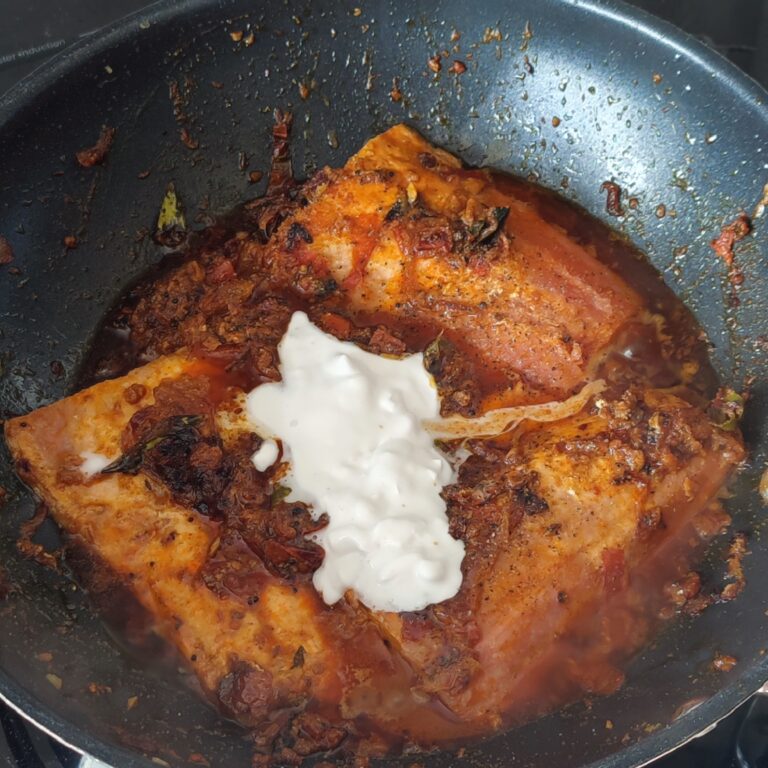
point(643, 110)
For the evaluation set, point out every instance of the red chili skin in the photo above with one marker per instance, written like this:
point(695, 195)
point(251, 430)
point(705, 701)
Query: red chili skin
point(613, 198)
point(614, 575)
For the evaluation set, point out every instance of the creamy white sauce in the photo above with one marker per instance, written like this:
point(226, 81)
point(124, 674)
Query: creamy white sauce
point(93, 463)
point(351, 427)
point(266, 455)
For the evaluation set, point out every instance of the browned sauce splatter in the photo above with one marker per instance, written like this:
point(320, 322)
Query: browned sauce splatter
point(96, 154)
point(724, 243)
point(6, 252)
point(31, 549)
point(723, 662)
point(731, 234)
point(434, 63)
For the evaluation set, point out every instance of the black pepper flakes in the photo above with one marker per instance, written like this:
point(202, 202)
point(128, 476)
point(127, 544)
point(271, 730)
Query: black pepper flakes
point(427, 160)
point(298, 658)
point(297, 232)
point(527, 66)
point(554, 529)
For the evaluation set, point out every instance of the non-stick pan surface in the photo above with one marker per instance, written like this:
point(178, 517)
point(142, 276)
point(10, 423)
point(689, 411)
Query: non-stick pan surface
point(608, 94)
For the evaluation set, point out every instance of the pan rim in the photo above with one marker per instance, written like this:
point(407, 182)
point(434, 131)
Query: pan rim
point(617, 11)
point(652, 746)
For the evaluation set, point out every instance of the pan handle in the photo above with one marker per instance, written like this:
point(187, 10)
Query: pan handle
point(752, 738)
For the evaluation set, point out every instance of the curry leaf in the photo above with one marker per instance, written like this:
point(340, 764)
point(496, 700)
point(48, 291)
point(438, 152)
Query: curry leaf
point(132, 461)
point(727, 409)
point(171, 229)
point(492, 224)
point(433, 355)
point(279, 492)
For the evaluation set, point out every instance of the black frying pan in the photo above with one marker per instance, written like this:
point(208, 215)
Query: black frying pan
point(637, 101)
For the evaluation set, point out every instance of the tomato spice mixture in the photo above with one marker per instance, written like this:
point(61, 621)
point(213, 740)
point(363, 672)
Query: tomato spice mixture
point(401, 372)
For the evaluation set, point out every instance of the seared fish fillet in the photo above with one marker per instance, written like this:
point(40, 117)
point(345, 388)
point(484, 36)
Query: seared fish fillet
point(588, 505)
point(578, 495)
point(158, 547)
point(404, 234)
point(533, 303)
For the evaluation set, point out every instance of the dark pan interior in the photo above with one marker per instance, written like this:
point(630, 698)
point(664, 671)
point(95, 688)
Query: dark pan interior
point(694, 138)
